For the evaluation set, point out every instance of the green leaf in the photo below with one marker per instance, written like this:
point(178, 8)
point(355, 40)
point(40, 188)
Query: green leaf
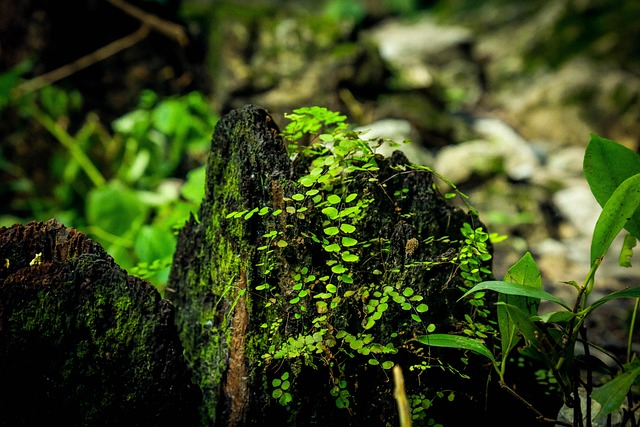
point(331, 212)
point(612, 394)
point(193, 188)
point(616, 213)
point(154, 243)
point(348, 241)
point(515, 289)
point(524, 272)
point(333, 199)
point(286, 398)
point(331, 231)
point(456, 341)
point(307, 181)
point(422, 308)
point(115, 209)
point(624, 260)
point(347, 228)
point(606, 165)
point(349, 257)
point(249, 214)
point(533, 335)
point(555, 317)
point(334, 247)
point(626, 293)
point(338, 269)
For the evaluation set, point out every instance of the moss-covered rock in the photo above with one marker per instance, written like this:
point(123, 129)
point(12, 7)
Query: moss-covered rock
point(82, 342)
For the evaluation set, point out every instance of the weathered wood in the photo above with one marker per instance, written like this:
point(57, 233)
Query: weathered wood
point(82, 342)
point(234, 312)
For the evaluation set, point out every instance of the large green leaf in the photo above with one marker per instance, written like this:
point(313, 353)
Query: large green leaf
point(612, 394)
point(114, 209)
point(515, 289)
point(524, 272)
point(456, 341)
point(617, 211)
point(606, 165)
point(154, 243)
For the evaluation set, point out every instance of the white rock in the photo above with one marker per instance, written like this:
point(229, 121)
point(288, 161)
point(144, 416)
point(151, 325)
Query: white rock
point(499, 149)
point(578, 206)
point(520, 159)
point(408, 41)
point(397, 131)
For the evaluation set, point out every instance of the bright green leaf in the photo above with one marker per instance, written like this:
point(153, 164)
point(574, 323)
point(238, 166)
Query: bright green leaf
point(115, 209)
point(348, 242)
point(333, 199)
point(624, 260)
point(422, 308)
point(338, 269)
point(515, 289)
point(154, 243)
point(331, 231)
point(330, 211)
point(456, 341)
point(334, 247)
point(612, 394)
point(351, 197)
point(349, 257)
point(618, 210)
point(347, 228)
point(606, 166)
point(524, 272)
point(307, 181)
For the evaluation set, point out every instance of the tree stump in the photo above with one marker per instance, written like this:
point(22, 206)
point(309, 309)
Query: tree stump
point(82, 342)
point(283, 319)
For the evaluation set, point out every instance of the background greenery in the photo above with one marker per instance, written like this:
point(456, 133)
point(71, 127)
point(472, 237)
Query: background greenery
point(130, 179)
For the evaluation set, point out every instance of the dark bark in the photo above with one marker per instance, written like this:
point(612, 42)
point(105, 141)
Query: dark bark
point(81, 342)
point(236, 305)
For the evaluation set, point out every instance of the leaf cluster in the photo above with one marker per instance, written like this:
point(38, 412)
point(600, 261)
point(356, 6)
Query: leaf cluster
point(613, 174)
point(124, 182)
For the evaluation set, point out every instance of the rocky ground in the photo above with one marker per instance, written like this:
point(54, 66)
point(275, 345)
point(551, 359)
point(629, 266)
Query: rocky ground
point(489, 99)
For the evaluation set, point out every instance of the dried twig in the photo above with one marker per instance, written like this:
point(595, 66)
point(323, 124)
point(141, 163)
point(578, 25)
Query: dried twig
point(167, 28)
point(81, 63)
point(149, 22)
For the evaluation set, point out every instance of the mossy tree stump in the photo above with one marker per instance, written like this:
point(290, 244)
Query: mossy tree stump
point(81, 342)
point(277, 311)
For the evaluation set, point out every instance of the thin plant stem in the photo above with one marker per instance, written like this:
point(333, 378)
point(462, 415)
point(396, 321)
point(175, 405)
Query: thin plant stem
point(632, 327)
point(72, 146)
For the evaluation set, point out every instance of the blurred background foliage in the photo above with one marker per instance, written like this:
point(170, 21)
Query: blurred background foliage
point(117, 149)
